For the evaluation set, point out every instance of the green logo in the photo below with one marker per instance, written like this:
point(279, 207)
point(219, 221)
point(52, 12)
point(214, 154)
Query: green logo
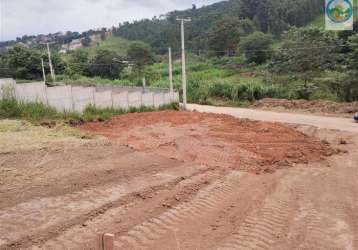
point(339, 11)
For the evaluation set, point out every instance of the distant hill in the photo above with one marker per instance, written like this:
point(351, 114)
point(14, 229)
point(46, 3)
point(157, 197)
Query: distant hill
point(272, 16)
point(117, 44)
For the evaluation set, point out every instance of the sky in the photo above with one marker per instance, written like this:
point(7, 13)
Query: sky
point(32, 17)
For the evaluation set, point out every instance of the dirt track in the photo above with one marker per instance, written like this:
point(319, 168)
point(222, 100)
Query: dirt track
point(175, 181)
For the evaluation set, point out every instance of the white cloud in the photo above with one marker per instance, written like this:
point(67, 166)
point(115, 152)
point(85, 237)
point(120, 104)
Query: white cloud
point(31, 17)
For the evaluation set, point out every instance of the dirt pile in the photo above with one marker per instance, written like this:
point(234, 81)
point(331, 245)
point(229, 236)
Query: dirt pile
point(311, 106)
point(213, 140)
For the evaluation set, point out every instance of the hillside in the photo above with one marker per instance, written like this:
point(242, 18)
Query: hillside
point(272, 16)
point(116, 44)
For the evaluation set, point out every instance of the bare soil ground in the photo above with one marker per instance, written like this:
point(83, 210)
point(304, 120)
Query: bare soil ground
point(318, 107)
point(213, 140)
point(176, 180)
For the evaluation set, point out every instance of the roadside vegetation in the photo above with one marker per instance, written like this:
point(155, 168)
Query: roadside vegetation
point(238, 51)
point(10, 108)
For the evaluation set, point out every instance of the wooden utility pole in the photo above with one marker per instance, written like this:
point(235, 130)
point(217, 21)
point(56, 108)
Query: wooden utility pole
point(182, 20)
point(171, 75)
point(50, 63)
point(43, 70)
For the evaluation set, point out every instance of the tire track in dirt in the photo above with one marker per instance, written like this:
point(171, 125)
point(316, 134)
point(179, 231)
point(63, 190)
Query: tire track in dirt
point(326, 227)
point(263, 228)
point(41, 218)
point(207, 200)
point(107, 221)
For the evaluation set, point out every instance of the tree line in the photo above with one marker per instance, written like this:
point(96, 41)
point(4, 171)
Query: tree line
point(268, 16)
point(21, 62)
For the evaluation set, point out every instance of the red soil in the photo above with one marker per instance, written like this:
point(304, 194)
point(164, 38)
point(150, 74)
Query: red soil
point(213, 140)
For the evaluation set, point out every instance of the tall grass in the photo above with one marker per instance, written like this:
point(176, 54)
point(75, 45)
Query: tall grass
point(201, 91)
point(10, 108)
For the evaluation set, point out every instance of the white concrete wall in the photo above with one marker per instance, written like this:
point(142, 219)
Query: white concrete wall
point(82, 98)
point(31, 92)
point(135, 99)
point(148, 99)
point(120, 100)
point(167, 98)
point(158, 100)
point(103, 99)
point(176, 97)
point(7, 87)
point(68, 98)
point(60, 98)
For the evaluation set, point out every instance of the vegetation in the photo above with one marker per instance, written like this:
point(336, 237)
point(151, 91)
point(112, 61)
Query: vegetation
point(238, 51)
point(225, 35)
point(10, 108)
point(140, 55)
point(274, 16)
point(257, 47)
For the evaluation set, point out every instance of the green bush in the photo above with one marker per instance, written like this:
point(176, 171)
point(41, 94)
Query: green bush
point(11, 108)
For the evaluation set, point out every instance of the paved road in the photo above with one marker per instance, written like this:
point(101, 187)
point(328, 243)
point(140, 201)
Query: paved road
point(342, 124)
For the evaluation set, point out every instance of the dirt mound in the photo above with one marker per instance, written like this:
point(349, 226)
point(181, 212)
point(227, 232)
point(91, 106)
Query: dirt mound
point(213, 140)
point(311, 106)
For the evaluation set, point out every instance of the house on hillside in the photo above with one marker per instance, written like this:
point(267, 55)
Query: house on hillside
point(75, 44)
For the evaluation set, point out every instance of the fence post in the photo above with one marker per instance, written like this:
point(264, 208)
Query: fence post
point(108, 242)
point(99, 242)
point(73, 100)
point(104, 242)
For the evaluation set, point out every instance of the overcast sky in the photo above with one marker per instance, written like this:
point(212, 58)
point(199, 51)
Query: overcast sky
point(32, 17)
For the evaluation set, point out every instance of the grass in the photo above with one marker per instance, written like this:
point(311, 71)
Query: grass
point(116, 44)
point(20, 135)
point(10, 108)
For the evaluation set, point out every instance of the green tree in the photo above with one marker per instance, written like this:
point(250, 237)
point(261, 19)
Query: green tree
point(248, 8)
point(86, 41)
point(225, 35)
point(140, 55)
point(305, 53)
point(78, 63)
point(4, 66)
point(24, 63)
point(347, 88)
point(256, 47)
point(106, 64)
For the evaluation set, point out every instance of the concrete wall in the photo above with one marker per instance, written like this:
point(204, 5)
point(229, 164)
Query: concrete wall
point(31, 92)
point(167, 98)
point(135, 99)
point(118, 89)
point(120, 100)
point(176, 97)
point(77, 98)
point(60, 98)
point(82, 98)
point(103, 99)
point(148, 99)
point(7, 87)
point(158, 100)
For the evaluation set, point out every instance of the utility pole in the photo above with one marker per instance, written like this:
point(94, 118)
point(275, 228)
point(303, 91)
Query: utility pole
point(171, 75)
point(50, 62)
point(182, 20)
point(43, 70)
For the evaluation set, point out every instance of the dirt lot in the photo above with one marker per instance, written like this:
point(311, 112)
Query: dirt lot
point(178, 180)
point(318, 107)
point(213, 140)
